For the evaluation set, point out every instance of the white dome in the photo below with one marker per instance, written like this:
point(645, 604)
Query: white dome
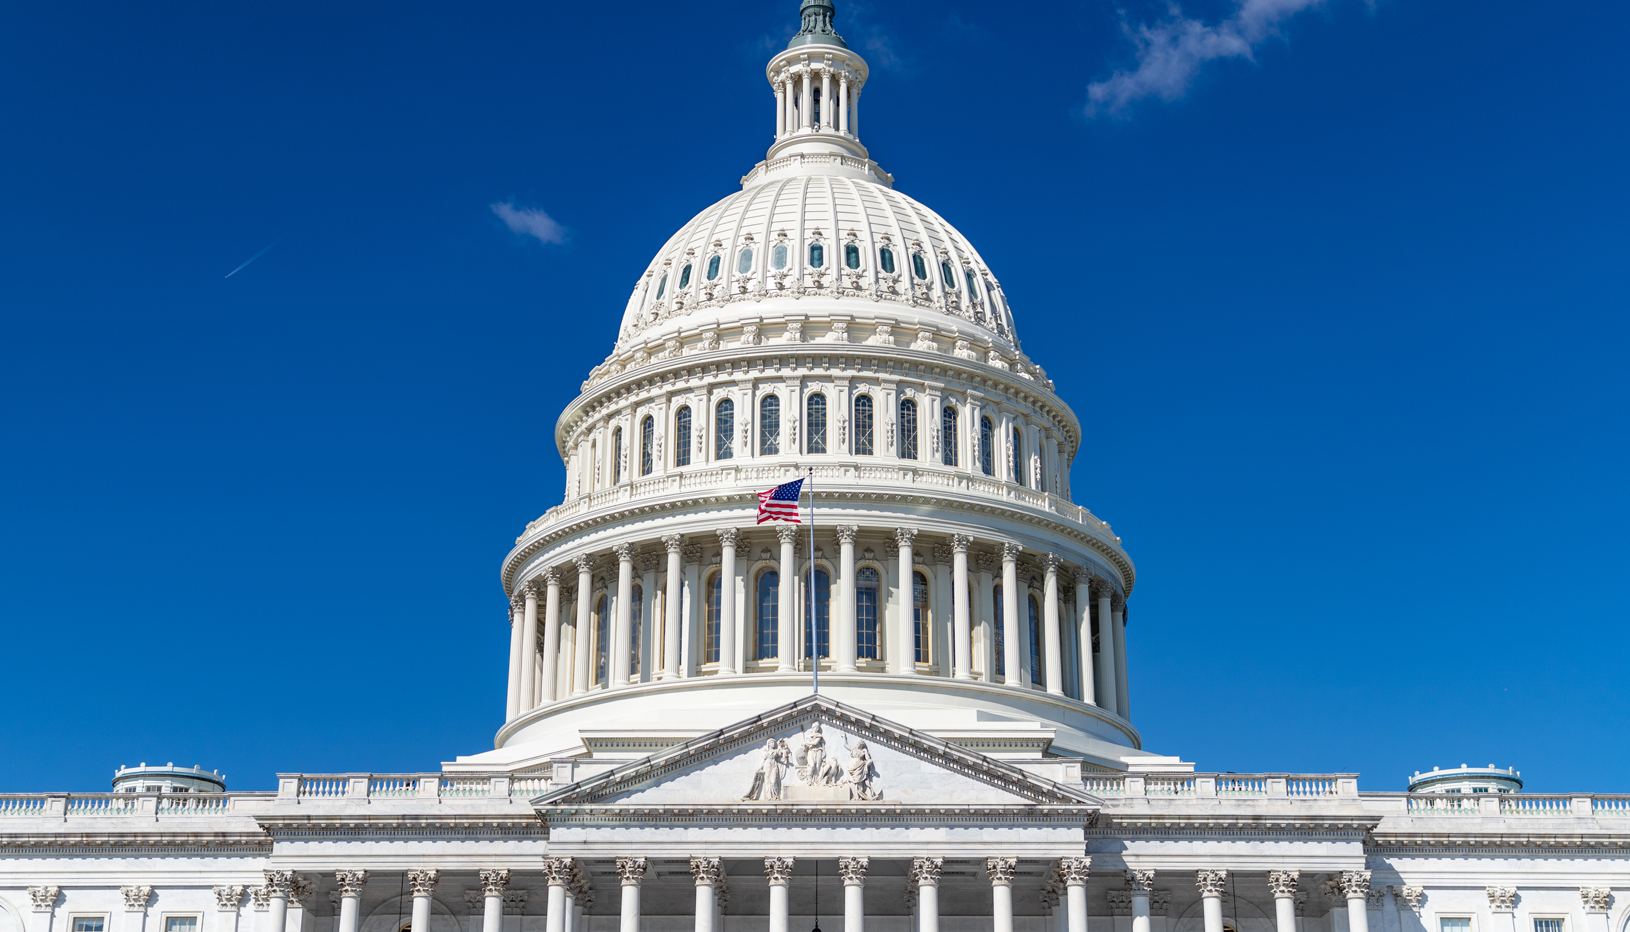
point(761, 245)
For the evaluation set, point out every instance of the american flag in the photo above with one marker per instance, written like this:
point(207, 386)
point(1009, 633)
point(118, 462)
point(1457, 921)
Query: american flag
point(781, 503)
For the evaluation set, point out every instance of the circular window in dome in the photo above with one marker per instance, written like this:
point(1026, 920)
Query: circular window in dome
point(713, 268)
point(745, 263)
point(919, 266)
point(684, 277)
point(817, 255)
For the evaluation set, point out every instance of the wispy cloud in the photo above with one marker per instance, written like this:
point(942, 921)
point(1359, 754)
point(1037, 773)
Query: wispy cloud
point(1171, 52)
point(530, 221)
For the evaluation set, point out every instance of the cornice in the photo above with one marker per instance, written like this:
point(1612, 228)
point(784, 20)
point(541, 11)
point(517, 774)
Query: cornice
point(1497, 842)
point(818, 814)
point(137, 842)
point(1117, 824)
point(523, 822)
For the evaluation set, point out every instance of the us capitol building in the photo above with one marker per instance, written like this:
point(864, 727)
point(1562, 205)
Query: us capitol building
point(970, 761)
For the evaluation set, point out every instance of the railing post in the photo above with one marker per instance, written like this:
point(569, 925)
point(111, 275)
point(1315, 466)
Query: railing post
point(1581, 806)
point(1135, 785)
point(57, 806)
point(1205, 786)
point(499, 787)
point(288, 786)
point(1277, 787)
point(147, 804)
point(1347, 786)
point(357, 784)
point(429, 785)
point(1488, 804)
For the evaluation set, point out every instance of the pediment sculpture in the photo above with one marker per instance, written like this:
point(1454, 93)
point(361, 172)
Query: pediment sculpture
point(816, 773)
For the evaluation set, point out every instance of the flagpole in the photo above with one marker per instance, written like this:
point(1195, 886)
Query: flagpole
point(814, 631)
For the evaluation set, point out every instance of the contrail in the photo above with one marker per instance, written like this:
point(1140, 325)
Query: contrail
point(254, 257)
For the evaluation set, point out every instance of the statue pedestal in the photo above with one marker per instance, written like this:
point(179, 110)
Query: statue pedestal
point(798, 793)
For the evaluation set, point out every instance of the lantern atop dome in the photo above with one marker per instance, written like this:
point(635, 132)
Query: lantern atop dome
point(817, 26)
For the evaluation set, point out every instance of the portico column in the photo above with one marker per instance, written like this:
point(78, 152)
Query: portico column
point(727, 601)
point(631, 871)
point(927, 872)
point(906, 637)
point(1355, 886)
point(557, 872)
point(962, 632)
point(529, 644)
point(779, 871)
point(1212, 884)
point(622, 639)
point(670, 607)
point(517, 620)
point(706, 872)
point(1053, 657)
point(853, 872)
point(1139, 883)
point(551, 636)
point(1001, 892)
point(278, 884)
point(1117, 617)
point(423, 884)
point(493, 885)
point(1283, 885)
point(350, 889)
point(1011, 663)
point(847, 636)
point(786, 628)
point(1075, 872)
point(1106, 649)
point(1083, 608)
point(581, 646)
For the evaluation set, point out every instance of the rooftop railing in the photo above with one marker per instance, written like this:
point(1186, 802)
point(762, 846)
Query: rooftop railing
point(1223, 785)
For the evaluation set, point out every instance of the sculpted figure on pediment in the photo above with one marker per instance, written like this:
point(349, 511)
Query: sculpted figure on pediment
point(861, 774)
point(772, 767)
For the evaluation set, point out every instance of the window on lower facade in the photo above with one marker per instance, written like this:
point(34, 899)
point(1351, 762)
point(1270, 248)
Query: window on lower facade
point(636, 607)
point(710, 626)
point(999, 632)
point(602, 637)
point(1455, 924)
point(1548, 925)
point(769, 614)
point(181, 924)
point(89, 924)
point(1035, 642)
point(920, 616)
point(868, 584)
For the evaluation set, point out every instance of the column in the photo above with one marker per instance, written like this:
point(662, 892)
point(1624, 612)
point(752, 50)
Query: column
point(854, 113)
point(1001, 892)
point(806, 96)
point(551, 635)
point(727, 601)
point(843, 614)
point(1139, 884)
point(1212, 884)
point(1283, 886)
point(1117, 618)
point(906, 636)
point(350, 890)
point(582, 637)
point(927, 872)
point(493, 884)
point(1083, 608)
point(843, 103)
point(1012, 660)
point(529, 644)
point(557, 872)
point(423, 884)
point(853, 872)
point(622, 638)
point(136, 900)
point(278, 884)
point(826, 99)
point(1075, 872)
point(1106, 649)
point(786, 606)
point(780, 109)
point(228, 898)
point(670, 607)
point(1355, 886)
point(779, 871)
point(983, 586)
point(706, 872)
point(1595, 900)
point(630, 871)
point(962, 631)
point(1053, 642)
point(516, 621)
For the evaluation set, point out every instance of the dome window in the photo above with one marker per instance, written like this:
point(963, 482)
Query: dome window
point(769, 426)
point(885, 260)
point(724, 430)
point(647, 441)
point(948, 436)
point(863, 425)
point(744, 264)
point(682, 437)
point(948, 276)
point(973, 291)
point(662, 286)
point(986, 437)
point(919, 266)
point(616, 456)
point(817, 255)
point(712, 268)
point(684, 277)
point(908, 429)
point(851, 256)
point(778, 257)
point(815, 439)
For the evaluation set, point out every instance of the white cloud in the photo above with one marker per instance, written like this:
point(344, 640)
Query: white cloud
point(530, 221)
point(1171, 51)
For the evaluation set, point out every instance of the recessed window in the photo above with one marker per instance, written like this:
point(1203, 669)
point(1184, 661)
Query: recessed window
point(710, 626)
point(181, 924)
point(815, 438)
point(1455, 924)
point(948, 276)
point(769, 614)
point(636, 605)
point(682, 437)
point(89, 924)
point(817, 255)
point(908, 429)
point(1035, 642)
point(712, 268)
point(1000, 630)
point(778, 257)
point(820, 637)
point(648, 429)
point(616, 456)
point(919, 266)
point(769, 425)
point(744, 262)
point(919, 616)
point(662, 286)
point(986, 466)
point(868, 585)
point(1548, 925)
point(1016, 458)
point(684, 277)
point(602, 635)
point(885, 260)
point(948, 436)
point(863, 426)
point(724, 430)
point(851, 256)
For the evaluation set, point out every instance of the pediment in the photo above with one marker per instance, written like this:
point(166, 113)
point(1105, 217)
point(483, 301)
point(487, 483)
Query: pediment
point(815, 751)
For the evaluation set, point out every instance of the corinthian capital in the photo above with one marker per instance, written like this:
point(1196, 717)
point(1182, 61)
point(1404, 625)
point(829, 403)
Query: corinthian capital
point(778, 870)
point(529, 591)
point(1073, 871)
point(728, 536)
point(786, 533)
point(960, 543)
point(631, 870)
point(136, 897)
point(279, 883)
point(1283, 883)
point(45, 898)
point(847, 533)
point(558, 871)
point(1410, 895)
point(1596, 899)
point(1050, 562)
point(905, 536)
point(585, 563)
point(707, 871)
point(1501, 899)
point(673, 543)
point(853, 870)
point(1355, 884)
point(551, 576)
point(624, 552)
point(927, 870)
point(1010, 552)
point(350, 882)
point(1211, 883)
point(1001, 871)
point(494, 882)
point(1140, 882)
point(423, 883)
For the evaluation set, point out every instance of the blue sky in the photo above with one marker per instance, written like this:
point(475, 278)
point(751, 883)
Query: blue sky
point(1339, 291)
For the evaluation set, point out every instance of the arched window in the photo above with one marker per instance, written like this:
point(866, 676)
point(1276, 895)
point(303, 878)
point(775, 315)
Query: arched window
point(820, 639)
point(769, 425)
point(947, 276)
point(817, 255)
point(948, 436)
point(867, 586)
point(769, 614)
point(648, 429)
point(724, 430)
point(908, 429)
point(682, 437)
point(602, 635)
point(1015, 457)
point(778, 256)
point(637, 613)
point(919, 616)
point(885, 259)
point(744, 262)
point(616, 455)
point(999, 632)
point(662, 285)
point(815, 435)
point(851, 255)
point(986, 466)
point(1035, 642)
point(712, 268)
point(684, 277)
point(710, 625)
point(917, 265)
point(863, 425)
